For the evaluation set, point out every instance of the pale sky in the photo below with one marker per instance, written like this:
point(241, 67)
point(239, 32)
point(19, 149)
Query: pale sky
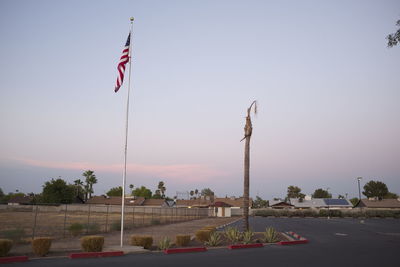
point(327, 87)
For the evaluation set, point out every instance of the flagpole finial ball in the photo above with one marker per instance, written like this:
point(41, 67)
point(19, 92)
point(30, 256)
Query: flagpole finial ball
point(132, 19)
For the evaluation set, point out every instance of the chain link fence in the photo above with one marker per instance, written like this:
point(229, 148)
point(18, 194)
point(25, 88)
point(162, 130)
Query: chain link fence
point(61, 221)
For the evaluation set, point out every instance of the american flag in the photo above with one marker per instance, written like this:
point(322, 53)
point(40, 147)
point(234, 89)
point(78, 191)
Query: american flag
point(122, 63)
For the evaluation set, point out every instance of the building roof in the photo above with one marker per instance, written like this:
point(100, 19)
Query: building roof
point(280, 204)
point(220, 204)
point(234, 202)
point(20, 199)
point(320, 203)
point(384, 203)
point(154, 202)
point(104, 200)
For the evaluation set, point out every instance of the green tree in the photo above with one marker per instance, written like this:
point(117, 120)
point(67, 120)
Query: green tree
point(260, 203)
point(1, 196)
point(57, 191)
point(391, 195)
point(90, 180)
point(321, 193)
point(354, 201)
point(78, 183)
point(191, 194)
point(394, 38)
point(375, 189)
point(157, 194)
point(294, 192)
point(115, 192)
point(207, 192)
point(162, 188)
point(142, 192)
point(196, 192)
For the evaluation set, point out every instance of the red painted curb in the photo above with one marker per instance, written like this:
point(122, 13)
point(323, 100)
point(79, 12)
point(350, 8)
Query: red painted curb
point(184, 250)
point(95, 254)
point(257, 245)
point(295, 242)
point(13, 259)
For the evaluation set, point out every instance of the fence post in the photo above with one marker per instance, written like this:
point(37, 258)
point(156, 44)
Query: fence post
point(65, 218)
point(133, 216)
point(107, 218)
point(144, 214)
point(88, 220)
point(34, 223)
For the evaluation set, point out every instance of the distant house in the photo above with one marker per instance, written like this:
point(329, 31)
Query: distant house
point(280, 204)
point(20, 200)
point(105, 200)
point(221, 209)
point(379, 204)
point(318, 203)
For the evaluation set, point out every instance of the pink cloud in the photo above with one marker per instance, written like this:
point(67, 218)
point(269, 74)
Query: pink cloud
point(187, 172)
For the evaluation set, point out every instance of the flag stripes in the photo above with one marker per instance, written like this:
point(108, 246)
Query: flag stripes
point(122, 64)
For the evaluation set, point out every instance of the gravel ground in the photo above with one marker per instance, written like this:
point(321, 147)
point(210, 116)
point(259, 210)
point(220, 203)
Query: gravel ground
point(62, 247)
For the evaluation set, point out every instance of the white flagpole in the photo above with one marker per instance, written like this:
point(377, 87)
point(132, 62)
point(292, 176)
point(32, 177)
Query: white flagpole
point(126, 136)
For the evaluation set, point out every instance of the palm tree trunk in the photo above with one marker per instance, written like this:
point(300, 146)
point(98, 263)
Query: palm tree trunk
point(246, 182)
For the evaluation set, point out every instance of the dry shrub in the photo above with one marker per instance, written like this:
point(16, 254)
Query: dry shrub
point(41, 245)
point(5, 247)
point(92, 243)
point(182, 240)
point(210, 228)
point(144, 241)
point(203, 235)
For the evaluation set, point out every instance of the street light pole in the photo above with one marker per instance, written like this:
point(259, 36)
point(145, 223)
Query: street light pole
point(359, 190)
point(327, 190)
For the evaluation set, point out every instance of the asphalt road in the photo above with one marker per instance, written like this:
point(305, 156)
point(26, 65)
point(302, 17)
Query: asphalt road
point(334, 242)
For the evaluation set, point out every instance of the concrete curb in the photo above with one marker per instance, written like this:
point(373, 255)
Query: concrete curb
point(227, 224)
point(256, 245)
point(13, 259)
point(184, 250)
point(295, 239)
point(95, 254)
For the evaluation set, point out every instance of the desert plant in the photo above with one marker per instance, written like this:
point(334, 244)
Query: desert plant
point(5, 246)
point(142, 240)
point(271, 235)
point(41, 245)
point(182, 240)
point(164, 243)
point(214, 239)
point(16, 235)
point(247, 236)
point(233, 234)
point(203, 235)
point(76, 229)
point(323, 213)
point(92, 243)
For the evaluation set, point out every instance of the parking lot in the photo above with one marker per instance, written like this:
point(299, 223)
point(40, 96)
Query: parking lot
point(333, 242)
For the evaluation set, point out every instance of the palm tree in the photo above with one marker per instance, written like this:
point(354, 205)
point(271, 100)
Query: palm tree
point(196, 192)
point(162, 188)
point(131, 187)
point(191, 193)
point(90, 181)
point(247, 135)
point(78, 184)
